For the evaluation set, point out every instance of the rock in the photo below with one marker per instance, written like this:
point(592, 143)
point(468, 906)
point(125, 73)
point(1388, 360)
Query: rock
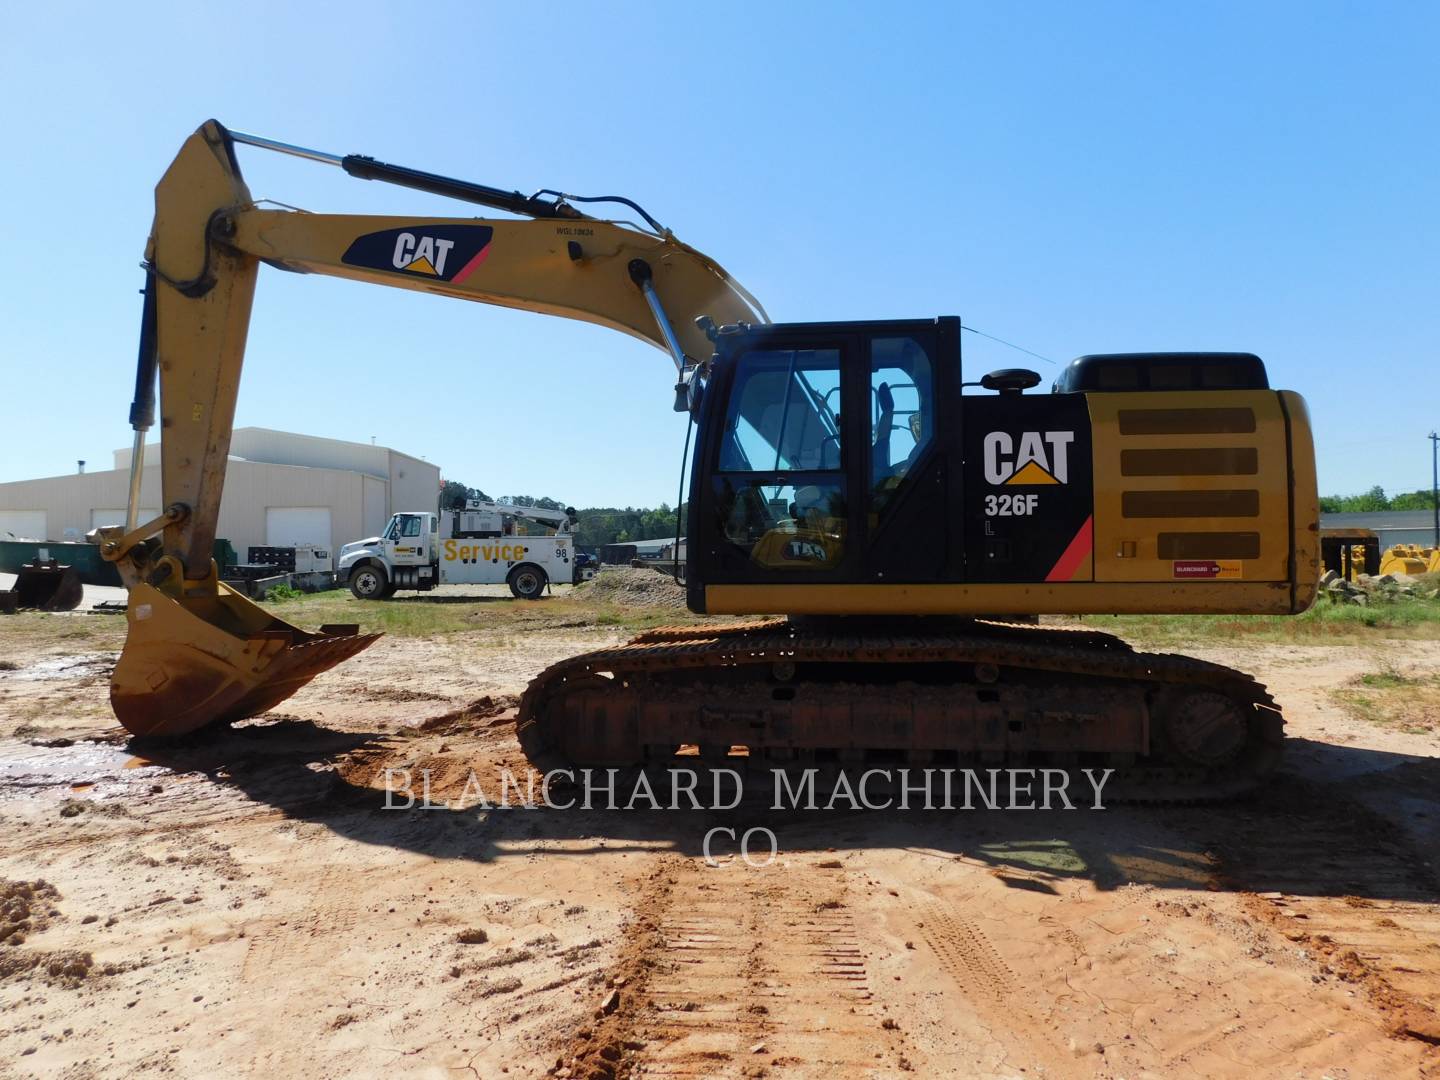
point(611, 1003)
point(1421, 1025)
point(1327, 578)
point(758, 1048)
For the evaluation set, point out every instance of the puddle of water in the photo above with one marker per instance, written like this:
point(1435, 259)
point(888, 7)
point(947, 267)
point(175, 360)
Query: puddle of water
point(56, 668)
point(79, 767)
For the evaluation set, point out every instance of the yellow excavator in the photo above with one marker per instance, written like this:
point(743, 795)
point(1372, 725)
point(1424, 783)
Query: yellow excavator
point(895, 520)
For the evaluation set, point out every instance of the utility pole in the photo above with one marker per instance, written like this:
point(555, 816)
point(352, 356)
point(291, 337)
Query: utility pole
point(1435, 482)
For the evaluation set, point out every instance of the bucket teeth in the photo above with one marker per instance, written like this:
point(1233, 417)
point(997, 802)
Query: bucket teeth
point(188, 664)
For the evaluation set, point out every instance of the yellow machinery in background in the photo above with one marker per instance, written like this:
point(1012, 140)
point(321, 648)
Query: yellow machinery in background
point(1410, 559)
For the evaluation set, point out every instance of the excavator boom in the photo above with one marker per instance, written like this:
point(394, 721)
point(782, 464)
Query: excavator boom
point(197, 652)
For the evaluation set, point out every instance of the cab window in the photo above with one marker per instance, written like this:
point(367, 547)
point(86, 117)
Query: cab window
point(784, 411)
point(784, 526)
point(779, 489)
point(902, 413)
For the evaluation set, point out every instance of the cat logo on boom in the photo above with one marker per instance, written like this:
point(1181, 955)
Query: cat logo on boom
point(441, 252)
point(422, 254)
point(1037, 457)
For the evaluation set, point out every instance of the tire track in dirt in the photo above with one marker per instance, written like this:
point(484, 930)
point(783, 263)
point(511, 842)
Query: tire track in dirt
point(733, 971)
point(965, 953)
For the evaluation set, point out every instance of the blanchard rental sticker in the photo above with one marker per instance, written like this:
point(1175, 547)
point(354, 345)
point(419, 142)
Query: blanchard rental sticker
point(1209, 568)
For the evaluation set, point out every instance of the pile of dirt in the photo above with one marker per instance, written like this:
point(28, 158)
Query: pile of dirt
point(627, 586)
point(64, 967)
point(25, 906)
point(478, 714)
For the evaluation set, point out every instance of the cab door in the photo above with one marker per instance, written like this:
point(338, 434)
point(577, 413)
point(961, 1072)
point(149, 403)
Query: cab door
point(910, 470)
point(783, 426)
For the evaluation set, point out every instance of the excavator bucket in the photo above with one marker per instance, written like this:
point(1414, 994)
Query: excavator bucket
point(214, 659)
point(44, 586)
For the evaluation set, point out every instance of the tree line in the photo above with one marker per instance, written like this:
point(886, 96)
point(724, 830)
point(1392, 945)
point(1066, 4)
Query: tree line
point(598, 525)
point(1376, 499)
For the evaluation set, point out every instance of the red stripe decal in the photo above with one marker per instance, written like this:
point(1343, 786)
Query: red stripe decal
point(470, 267)
point(1070, 560)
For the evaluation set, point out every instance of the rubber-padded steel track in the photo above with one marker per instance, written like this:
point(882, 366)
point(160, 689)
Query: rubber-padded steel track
point(571, 715)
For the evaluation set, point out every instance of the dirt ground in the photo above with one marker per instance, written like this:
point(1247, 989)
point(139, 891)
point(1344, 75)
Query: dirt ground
point(244, 903)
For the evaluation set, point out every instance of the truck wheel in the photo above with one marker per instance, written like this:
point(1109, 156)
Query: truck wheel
point(369, 582)
point(527, 582)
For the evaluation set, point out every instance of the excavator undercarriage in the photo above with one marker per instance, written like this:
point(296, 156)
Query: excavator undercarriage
point(772, 694)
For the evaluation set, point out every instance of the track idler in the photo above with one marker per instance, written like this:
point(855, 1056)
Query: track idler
point(214, 657)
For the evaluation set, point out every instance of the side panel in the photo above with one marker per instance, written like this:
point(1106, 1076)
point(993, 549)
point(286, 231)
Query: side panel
point(489, 561)
point(1305, 502)
point(1191, 486)
point(1028, 488)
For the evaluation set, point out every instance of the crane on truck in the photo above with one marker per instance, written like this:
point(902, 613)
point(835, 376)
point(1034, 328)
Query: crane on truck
point(851, 481)
point(474, 543)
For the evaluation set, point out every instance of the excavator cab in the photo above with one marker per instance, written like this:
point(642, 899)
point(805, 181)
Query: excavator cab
point(858, 468)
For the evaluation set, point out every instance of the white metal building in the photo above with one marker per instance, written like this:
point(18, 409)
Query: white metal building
point(1391, 526)
point(281, 489)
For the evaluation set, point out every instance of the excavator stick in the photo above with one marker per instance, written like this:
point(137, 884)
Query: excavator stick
point(214, 659)
point(44, 586)
point(197, 652)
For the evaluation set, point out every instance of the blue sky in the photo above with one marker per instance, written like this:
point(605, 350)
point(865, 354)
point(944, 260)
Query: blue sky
point(1074, 178)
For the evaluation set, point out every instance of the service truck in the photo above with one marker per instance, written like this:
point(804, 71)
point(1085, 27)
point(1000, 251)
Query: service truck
point(475, 542)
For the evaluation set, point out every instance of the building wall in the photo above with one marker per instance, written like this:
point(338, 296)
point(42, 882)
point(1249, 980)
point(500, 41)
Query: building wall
point(289, 448)
point(414, 484)
point(410, 482)
point(68, 500)
point(376, 510)
point(250, 487)
point(1391, 526)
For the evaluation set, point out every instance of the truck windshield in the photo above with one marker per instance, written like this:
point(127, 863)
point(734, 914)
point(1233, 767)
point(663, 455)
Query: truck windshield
point(403, 525)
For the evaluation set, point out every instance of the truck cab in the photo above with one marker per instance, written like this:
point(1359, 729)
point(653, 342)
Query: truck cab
point(403, 556)
point(477, 543)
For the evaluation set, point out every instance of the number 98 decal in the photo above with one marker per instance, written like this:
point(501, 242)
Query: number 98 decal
point(1011, 505)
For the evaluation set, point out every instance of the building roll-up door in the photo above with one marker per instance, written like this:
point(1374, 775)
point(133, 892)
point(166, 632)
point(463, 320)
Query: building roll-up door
point(23, 525)
point(291, 526)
